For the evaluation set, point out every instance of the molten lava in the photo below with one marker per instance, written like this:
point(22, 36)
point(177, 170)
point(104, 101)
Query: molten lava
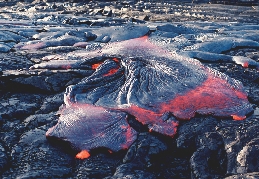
point(96, 65)
point(154, 86)
point(245, 64)
point(111, 71)
point(83, 154)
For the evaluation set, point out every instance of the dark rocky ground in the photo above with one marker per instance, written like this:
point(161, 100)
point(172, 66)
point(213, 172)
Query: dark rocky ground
point(204, 147)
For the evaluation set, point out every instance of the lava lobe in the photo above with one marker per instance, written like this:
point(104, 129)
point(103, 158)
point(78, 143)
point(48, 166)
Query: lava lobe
point(139, 78)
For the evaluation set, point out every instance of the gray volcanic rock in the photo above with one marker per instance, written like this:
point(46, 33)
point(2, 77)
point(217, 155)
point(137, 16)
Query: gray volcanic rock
point(236, 142)
point(33, 148)
point(24, 105)
point(51, 81)
point(142, 151)
point(224, 44)
point(9, 36)
point(131, 171)
point(99, 166)
point(103, 38)
point(72, 37)
point(4, 37)
point(4, 48)
point(244, 175)
point(3, 159)
point(12, 61)
point(247, 158)
point(209, 159)
point(178, 29)
point(220, 146)
point(51, 103)
point(38, 120)
point(120, 33)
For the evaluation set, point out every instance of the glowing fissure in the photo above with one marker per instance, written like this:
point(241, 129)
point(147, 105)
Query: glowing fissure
point(96, 65)
point(112, 71)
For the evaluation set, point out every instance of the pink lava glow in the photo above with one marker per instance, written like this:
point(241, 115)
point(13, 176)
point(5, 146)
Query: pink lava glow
point(196, 89)
point(35, 46)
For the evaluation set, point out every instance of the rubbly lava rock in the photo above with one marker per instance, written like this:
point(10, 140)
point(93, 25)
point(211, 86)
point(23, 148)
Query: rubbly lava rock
point(24, 106)
point(248, 157)
point(221, 147)
point(3, 158)
point(32, 148)
point(51, 103)
point(14, 61)
point(101, 165)
point(245, 175)
point(138, 78)
point(132, 171)
point(143, 149)
point(240, 146)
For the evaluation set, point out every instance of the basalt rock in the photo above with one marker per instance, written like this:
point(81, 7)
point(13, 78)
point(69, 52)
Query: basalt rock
point(132, 171)
point(33, 147)
point(3, 159)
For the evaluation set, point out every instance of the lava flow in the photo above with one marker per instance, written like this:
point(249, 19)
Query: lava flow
point(155, 87)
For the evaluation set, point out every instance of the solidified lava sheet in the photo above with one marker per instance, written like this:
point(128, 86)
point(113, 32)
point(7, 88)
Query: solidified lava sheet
point(138, 78)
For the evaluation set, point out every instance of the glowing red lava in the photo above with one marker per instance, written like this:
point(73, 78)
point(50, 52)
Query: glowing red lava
point(96, 65)
point(205, 97)
point(83, 154)
point(245, 64)
point(116, 60)
point(112, 71)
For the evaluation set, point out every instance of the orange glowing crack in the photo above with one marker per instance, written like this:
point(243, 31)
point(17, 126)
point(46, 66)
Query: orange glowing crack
point(111, 72)
point(96, 65)
point(146, 116)
point(144, 38)
point(238, 118)
point(116, 59)
point(83, 154)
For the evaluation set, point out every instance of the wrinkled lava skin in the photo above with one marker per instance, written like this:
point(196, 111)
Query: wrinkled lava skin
point(138, 78)
point(87, 126)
